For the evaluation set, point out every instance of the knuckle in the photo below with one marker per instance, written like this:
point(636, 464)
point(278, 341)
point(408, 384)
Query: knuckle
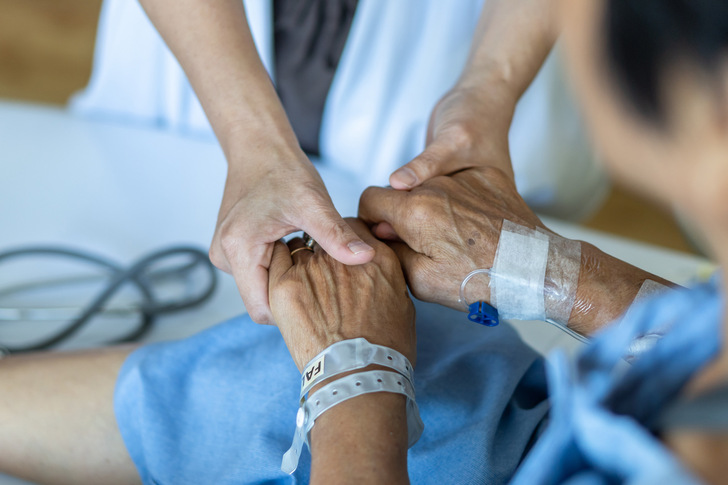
point(367, 198)
point(460, 137)
point(421, 205)
point(216, 258)
point(230, 239)
point(284, 290)
point(386, 257)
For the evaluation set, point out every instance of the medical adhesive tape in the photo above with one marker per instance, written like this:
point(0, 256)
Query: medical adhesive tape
point(342, 390)
point(562, 276)
point(535, 274)
point(349, 355)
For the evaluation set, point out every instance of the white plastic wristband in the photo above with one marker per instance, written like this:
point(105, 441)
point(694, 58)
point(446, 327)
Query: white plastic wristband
point(350, 355)
point(341, 390)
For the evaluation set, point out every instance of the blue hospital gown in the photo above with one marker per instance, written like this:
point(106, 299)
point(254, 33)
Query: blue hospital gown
point(605, 413)
point(220, 407)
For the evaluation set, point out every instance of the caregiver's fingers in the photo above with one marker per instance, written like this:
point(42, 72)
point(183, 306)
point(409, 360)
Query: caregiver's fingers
point(437, 159)
point(250, 270)
point(280, 262)
point(363, 231)
point(334, 235)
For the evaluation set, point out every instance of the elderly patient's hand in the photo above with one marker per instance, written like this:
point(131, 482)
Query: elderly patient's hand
point(445, 228)
point(317, 301)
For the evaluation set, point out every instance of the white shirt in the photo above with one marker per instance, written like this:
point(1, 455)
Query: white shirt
point(400, 58)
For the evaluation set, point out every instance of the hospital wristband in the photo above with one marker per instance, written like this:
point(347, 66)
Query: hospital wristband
point(342, 390)
point(349, 355)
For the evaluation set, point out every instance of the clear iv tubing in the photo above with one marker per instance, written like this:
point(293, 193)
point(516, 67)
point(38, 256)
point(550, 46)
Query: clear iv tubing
point(556, 324)
point(568, 331)
point(470, 275)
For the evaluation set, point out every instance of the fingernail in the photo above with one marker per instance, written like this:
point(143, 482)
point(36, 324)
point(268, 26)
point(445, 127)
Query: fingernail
point(357, 247)
point(406, 176)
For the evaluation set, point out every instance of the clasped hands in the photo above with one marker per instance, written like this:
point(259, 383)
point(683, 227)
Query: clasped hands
point(441, 220)
point(430, 237)
point(273, 190)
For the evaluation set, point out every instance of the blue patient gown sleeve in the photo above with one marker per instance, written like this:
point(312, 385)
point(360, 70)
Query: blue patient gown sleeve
point(604, 411)
point(220, 407)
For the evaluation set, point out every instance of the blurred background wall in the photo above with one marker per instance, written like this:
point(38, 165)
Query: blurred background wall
point(46, 52)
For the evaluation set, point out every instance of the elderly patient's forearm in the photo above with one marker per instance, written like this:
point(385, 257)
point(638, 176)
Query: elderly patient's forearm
point(606, 289)
point(362, 440)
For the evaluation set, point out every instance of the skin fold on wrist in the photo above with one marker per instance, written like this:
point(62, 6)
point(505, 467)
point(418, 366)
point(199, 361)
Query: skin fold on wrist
point(250, 161)
point(607, 287)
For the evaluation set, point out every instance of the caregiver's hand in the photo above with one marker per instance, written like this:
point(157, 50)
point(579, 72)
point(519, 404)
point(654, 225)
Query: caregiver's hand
point(272, 189)
point(445, 228)
point(468, 128)
point(469, 125)
point(317, 301)
point(261, 206)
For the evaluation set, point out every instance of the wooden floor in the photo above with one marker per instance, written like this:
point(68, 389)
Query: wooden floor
point(46, 49)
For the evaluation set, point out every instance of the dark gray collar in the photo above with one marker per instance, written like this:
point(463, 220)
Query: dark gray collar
point(309, 37)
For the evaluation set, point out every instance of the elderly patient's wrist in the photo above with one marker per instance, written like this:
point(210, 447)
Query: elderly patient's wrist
point(362, 440)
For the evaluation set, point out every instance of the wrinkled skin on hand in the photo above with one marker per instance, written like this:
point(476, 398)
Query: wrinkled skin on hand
point(446, 228)
point(317, 301)
point(260, 208)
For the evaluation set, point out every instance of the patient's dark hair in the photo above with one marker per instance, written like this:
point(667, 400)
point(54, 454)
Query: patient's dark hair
point(645, 37)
